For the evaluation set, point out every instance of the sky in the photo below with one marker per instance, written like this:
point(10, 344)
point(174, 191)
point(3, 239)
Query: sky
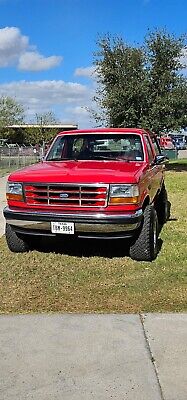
point(47, 47)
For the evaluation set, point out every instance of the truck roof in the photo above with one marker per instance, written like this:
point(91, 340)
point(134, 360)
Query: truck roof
point(105, 130)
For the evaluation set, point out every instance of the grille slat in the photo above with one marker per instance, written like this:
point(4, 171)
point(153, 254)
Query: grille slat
point(75, 195)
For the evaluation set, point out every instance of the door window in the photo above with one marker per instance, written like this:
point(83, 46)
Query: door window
point(149, 149)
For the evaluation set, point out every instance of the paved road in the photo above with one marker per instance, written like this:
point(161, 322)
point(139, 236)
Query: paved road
point(92, 357)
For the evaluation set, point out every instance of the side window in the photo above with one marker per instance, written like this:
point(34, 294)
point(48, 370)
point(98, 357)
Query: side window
point(149, 149)
point(156, 146)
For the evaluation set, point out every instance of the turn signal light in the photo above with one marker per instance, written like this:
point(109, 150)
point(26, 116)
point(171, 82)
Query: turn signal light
point(123, 200)
point(14, 197)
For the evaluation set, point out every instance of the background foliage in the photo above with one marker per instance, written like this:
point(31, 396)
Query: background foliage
point(141, 86)
point(12, 113)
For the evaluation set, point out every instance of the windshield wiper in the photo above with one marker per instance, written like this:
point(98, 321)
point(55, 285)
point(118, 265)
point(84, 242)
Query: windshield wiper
point(57, 159)
point(87, 158)
point(112, 158)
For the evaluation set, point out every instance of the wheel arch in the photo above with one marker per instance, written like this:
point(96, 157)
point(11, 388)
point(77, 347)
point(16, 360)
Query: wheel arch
point(146, 202)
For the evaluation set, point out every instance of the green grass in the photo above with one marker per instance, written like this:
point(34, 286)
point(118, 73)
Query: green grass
point(5, 171)
point(178, 161)
point(177, 165)
point(98, 277)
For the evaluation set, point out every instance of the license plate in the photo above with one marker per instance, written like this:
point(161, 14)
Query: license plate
point(63, 227)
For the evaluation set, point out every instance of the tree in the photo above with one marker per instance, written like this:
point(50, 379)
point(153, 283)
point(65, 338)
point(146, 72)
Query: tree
point(41, 135)
point(11, 112)
point(46, 118)
point(167, 85)
point(121, 79)
point(141, 86)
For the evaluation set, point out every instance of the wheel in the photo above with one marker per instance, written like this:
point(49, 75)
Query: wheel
point(163, 206)
point(15, 242)
point(145, 247)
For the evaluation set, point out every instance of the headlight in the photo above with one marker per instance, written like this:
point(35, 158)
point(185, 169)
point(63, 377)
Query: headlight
point(14, 191)
point(123, 194)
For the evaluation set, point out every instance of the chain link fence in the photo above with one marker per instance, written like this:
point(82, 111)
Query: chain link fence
point(15, 156)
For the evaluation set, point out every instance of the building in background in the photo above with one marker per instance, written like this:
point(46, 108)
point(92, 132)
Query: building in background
point(32, 134)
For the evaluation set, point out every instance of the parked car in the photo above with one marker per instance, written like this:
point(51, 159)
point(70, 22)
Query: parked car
point(166, 143)
point(180, 144)
point(86, 190)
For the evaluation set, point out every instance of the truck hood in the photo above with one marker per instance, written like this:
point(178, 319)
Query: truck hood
point(80, 172)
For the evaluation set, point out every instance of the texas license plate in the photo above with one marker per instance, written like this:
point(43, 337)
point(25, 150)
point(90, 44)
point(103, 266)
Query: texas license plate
point(63, 227)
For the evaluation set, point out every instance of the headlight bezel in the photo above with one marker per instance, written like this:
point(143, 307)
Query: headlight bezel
point(126, 193)
point(14, 191)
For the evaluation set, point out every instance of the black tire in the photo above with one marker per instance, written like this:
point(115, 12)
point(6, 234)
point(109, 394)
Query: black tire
point(145, 247)
point(16, 243)
point(163, 206)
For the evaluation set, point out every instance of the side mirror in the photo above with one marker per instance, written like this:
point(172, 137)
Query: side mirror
point(161, 159)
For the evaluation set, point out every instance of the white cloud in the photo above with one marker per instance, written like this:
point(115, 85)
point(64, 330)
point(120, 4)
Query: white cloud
point(12, 45)
point(67, 100)
point(16, 50)
point(88, 72)
point(46, 92)
point(79, 114)
point(183, 58)
point(78, 110)
point(33, 61)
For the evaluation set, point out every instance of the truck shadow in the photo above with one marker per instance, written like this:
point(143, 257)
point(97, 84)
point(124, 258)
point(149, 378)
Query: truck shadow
point(180, 167)
point(85, 247)
point(92, 247)
point(88, 248)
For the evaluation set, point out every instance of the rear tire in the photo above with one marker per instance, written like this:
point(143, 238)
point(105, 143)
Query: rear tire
point(16, 243)
point(145, 247)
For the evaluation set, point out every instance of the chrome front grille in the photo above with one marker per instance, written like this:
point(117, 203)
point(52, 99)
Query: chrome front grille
point(68, 195)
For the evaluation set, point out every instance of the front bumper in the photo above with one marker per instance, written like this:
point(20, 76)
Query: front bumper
point(90, 225)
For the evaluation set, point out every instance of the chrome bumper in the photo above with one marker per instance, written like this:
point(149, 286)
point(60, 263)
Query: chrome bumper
point(86, 225)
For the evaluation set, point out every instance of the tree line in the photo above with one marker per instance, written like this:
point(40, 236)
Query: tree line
point(13, 113)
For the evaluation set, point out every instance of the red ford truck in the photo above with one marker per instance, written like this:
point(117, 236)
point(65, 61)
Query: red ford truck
point(99, 183)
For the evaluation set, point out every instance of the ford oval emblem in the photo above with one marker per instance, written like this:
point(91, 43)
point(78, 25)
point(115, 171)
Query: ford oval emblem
point(64, 195)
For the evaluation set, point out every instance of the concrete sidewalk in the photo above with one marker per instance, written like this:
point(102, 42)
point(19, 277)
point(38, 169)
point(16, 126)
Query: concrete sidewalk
point(86, 357)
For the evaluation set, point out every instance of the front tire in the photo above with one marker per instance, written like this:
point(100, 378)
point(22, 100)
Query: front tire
point(163, 206)
point(145, 247)
point(16, 243)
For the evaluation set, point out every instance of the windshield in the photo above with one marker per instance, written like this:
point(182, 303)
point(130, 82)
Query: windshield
point(127, 147)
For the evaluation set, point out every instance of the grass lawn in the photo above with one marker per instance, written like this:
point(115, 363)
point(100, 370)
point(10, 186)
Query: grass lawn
point(6, 170)
point(13, 167)
point(177, 165)
point(179, 161)
point(98, 276)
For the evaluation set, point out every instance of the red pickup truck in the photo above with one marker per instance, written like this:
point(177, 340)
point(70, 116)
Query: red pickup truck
point(99, 183)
